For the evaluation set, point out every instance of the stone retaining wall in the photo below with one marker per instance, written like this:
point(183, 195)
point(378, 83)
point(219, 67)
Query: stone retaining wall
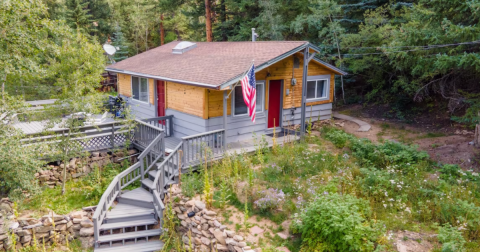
point(76, 225)
point(207, 233)
point(78, 167)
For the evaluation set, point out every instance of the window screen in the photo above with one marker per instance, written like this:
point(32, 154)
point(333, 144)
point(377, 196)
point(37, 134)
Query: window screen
point(140, 89)
point(316, 89)
point(239, 106)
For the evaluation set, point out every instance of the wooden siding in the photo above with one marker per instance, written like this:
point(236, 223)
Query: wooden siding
point(151, 90)
point(125, 85)
point(215, 103)
point(185, 98)
point(283, 71)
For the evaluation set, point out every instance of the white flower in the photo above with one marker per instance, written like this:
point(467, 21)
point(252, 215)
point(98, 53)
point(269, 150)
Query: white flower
point(408, 210)
point(391, 200)
point(385, 205)
point(386, 194)
point(392, 181)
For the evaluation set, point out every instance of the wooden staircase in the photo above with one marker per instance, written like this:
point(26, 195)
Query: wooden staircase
point(132, 220)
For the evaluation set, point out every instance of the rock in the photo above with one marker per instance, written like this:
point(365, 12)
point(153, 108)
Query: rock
point(286, 226)
point(219, 236)
point(207, 234)
point(95, 154)
point(61, 227)
point(241, 244)
point(77, 175)
point(230, 233)
point(5, 207)
point(200, 205)
point(196, 231)
point(197, 241)
point(223, 227)
point(87, 242)
point(86, 223)
point(43, 229)
point(256, 230)
point(231, 241)
point(238, 238)
point(208, 217)
point(77, 215)
point(181, 216)
point(216, 223)
point(205, 226)
point(210, 213)
point(282, 235)
point(221, 247)
point(246, 248)
point(23, 232)
point(26, 238)
point(13, 225)
point(204, 248)
point(205, 241)
point(3, 237)
point(88, 231)
point(76, 227)
point(185, 239)
point(283, 249)
point(238, 249)
point(77, 220)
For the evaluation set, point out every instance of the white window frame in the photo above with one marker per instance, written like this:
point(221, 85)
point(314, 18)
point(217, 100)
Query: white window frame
point(262, 83)
point(326, 87)
point(139, 81)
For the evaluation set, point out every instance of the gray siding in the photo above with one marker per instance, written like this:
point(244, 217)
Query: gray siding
point(141, 110)
point(185, 124)
point(324, 111)
point(239, 127)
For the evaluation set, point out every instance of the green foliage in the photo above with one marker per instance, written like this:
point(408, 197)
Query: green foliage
point(338, 223)
point(451, 239)
point(192, 183)
point(372, 154)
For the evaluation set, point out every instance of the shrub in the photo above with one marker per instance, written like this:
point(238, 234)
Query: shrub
point(192, 183)
point(337, 223)
point(451, 238)
point(270, 199)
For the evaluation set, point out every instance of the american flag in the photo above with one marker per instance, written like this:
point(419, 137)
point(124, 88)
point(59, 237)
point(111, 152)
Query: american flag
point(250, 92)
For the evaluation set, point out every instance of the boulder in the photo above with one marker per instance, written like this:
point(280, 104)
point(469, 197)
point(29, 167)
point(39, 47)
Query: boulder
point(219, 236)
point(87, 242)
point(86, 232)
point(86, 223)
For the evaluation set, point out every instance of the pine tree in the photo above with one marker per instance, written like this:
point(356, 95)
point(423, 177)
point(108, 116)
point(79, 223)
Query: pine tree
point(78, 17)
point(119, 42)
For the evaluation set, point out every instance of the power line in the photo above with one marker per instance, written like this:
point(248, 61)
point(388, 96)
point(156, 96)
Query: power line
point(422, 48)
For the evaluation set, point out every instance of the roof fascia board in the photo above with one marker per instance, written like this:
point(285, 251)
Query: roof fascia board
point(161, 78)
point(338, 70)
point(265, 65)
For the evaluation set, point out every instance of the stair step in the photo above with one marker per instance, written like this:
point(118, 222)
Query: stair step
point(129, 235)
point(137, 197)
point(126, 212)
point(152, 174)
point(137, 247)
point(148, 183)
point(133, 223)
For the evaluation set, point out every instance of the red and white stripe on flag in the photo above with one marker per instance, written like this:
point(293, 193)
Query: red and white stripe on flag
point(249, 91)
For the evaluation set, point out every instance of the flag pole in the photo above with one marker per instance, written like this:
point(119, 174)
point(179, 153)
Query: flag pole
point(233, 87)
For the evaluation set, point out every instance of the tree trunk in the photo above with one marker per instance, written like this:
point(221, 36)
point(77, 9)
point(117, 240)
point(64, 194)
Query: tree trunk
point(208, 21)
point(340, 57)
point(162, 31)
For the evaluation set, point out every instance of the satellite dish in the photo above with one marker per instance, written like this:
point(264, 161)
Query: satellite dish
point(109, 49)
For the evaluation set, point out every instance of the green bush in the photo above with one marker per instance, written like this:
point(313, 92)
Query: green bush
point(337, 223)
point(451, 239)
point(192, 183)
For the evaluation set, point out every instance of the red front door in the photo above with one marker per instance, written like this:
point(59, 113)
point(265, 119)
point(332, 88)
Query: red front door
point(274, 95)
point(161, 97)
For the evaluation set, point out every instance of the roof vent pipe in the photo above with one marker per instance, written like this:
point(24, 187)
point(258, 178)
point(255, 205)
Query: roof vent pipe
point(254, 35)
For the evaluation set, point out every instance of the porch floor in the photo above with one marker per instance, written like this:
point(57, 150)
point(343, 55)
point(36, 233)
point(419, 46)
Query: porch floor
point(246, 146)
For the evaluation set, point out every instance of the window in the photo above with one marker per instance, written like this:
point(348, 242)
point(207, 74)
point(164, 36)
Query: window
point(140, 89)
point(317, 89)
point(239, 106)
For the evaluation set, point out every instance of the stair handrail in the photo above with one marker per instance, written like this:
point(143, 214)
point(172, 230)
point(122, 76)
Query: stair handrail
point(159, 182)
point(123, 179)
point(192, 148)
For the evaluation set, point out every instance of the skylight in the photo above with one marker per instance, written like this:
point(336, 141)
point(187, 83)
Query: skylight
point(183, 46)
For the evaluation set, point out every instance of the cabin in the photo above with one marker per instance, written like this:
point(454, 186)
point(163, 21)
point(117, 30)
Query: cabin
point(197, 83)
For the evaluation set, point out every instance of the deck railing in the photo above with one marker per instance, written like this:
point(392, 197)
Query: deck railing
point(153, 151)
point(163, 122)
point(193, 146)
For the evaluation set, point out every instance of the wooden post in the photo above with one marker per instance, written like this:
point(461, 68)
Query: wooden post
point(225, 97)
point(112, 137)
point(304, 90)
point(476, 138)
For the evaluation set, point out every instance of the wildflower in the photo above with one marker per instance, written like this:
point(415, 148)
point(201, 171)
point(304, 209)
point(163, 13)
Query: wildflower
point(386, 194)
point(391, 199)
point(345, 156)
point(408, 210)
point(392, 181)
point(385, 205)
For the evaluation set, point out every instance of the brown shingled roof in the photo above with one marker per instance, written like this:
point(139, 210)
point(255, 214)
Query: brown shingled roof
point(212, 63)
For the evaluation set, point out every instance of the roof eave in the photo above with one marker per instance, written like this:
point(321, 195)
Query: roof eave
point(193, 83)
point(266, 64)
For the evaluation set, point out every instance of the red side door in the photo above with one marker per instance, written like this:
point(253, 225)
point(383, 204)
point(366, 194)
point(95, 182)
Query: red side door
point(274, 97)
point(161, 97)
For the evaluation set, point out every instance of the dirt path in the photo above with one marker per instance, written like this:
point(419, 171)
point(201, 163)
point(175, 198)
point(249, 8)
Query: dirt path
point(442, 147)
